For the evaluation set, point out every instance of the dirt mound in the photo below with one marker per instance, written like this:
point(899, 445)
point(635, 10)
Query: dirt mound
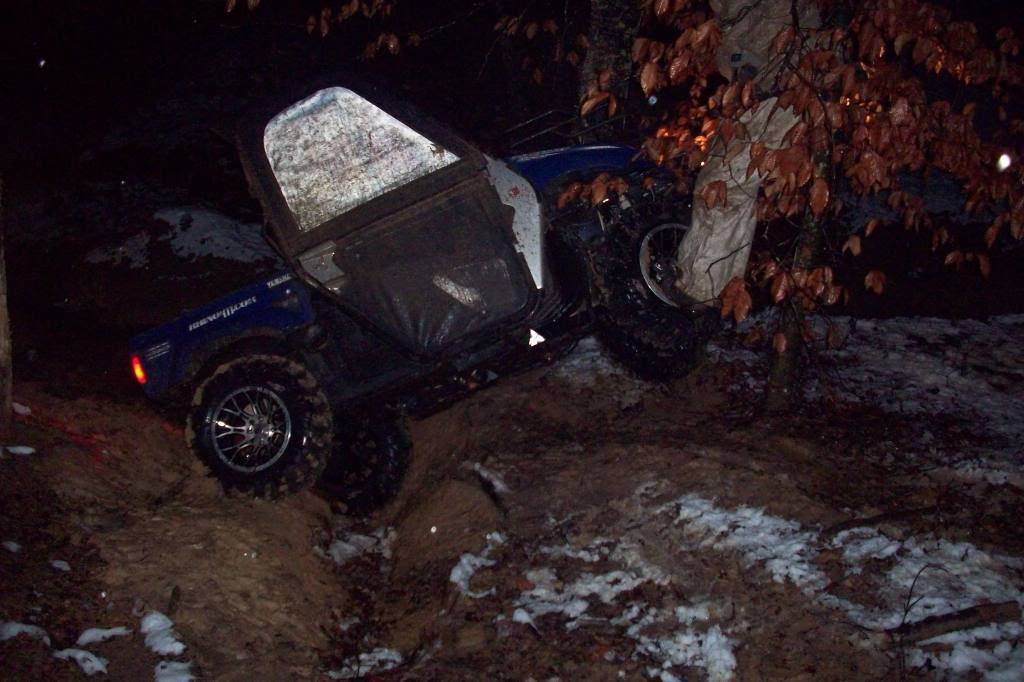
point(239, 576)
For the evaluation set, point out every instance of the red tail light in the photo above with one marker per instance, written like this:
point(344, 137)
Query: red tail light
point(138, 370)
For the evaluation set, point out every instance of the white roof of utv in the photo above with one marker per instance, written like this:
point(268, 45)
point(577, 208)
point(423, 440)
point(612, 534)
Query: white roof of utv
point(335, 150)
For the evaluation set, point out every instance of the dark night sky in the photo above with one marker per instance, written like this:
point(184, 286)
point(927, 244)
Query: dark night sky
point(72, 68)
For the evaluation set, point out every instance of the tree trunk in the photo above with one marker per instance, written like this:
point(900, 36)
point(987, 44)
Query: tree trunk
point(613, 26)
point(784, 379)
point(5, 333)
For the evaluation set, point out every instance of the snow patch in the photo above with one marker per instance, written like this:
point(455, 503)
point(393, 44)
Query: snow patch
point(200, 232)
point(20, 449)
point(132, 252)
point(463, 572)
point(912, 579)
point(60, 565)
point(10, 629)
point(173, 671)
point(11, 546)
point(196, 232)
point(347, 546)
point(784, 549)
point(93, 635)
point(160, 635)
point(89, 663)
point(967, 372)
point(363, 665)
point(19, 409)
point(496, 481)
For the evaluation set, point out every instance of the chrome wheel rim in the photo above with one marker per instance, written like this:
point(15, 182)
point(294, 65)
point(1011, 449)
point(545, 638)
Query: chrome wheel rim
point(659, 252)
point(251, 428)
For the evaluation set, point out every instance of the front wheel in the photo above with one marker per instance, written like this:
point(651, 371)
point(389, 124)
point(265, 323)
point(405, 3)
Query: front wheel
point(262, 425)
point(642, 319)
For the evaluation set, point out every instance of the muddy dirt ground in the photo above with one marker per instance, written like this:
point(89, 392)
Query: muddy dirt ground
point(570, 523)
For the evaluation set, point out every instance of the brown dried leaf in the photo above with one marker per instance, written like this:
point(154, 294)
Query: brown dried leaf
point(640, 49)
point(875, 281)
point(984, 264)
point(591, 102)
point(782, 286)
point(819, 196)
point(852, 245)
point(736, 299)
point(872, 225)
point(779, 343)
point(991, 234)
point(569, 194)
point(650, 78)
point(714, 194)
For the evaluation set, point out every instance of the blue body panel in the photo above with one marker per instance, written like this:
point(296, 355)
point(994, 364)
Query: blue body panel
point(542, 168)
point(279, 303)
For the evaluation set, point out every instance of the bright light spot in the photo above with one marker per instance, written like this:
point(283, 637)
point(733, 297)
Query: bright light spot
point(652, 100)
point(137, 369)
point(42, 63)
point(536, 338)
point(433, 529)
point(1004, 162)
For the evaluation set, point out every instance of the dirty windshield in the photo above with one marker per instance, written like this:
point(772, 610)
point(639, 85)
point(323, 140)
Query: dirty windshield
point(334, 151)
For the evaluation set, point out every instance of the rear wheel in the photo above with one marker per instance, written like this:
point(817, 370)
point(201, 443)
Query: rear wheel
point(262, 425)
point(643, 320)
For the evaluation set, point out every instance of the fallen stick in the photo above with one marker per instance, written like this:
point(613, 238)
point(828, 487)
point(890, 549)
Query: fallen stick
point(972, 617)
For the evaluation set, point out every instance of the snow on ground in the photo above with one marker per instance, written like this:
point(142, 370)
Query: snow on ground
point(1001, 663)
point(196, 232)
point(665, 636)
point(89, 663)
point(913, 579)
point(469, 564)
point(20, 449)
point(60, 565)
point(347, 545)
point(492, 477)
point(590, 366)
point(160, 635)
point(365, 665)
point(93, 635)
point(967, 372)
point(11, 546)
point(10, 629)
point(173, 671)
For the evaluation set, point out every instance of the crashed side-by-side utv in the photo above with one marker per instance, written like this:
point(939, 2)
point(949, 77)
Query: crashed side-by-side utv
point(420, 269)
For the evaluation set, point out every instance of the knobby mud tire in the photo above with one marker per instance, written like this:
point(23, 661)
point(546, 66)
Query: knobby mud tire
point(309, 448)
point(370, 459)
point(656, 341)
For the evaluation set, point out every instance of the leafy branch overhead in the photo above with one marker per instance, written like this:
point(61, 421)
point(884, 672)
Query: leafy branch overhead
point(895, 91)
